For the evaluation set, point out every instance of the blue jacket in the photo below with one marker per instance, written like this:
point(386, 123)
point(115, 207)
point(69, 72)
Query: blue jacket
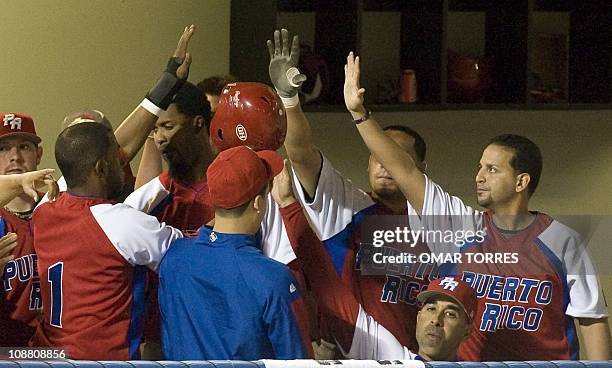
point(221, 298)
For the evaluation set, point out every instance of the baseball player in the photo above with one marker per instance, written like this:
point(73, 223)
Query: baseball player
point(20, 153)
point(442, 323)
point(88, 251)
point(151, 162)
point(241, 304)
point(180, 197)
point(133, 131)
point(336, 208)
point(526, 308)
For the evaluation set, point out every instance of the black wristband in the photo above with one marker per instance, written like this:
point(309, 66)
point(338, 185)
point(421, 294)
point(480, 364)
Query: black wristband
point(363, 118)
point(166, 86)
point(173, 64)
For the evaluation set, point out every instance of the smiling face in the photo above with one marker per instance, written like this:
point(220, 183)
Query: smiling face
point(18, 155)
point(382, 184)
point(441, 326)
point(496, 179)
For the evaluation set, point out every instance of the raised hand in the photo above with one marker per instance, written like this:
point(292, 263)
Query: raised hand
point(353, 93)
point(282, 191)
point(52, 188)
point(283, 64)
point(173, 78)
point(181, 56)
point(32, 181)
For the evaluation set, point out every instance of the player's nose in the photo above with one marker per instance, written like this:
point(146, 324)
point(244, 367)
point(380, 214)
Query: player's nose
point(15, 154)
point(159, 138)
point(437, 319)
point(479, 177)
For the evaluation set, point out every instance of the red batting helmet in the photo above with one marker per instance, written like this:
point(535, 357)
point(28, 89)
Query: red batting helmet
point(249, 114)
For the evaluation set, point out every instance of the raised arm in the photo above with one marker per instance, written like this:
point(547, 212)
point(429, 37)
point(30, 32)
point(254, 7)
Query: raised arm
point(305, 157)
point(331, 296)
point(150, 164)
point(394, 159)
point(133, 131)
point(358, 334)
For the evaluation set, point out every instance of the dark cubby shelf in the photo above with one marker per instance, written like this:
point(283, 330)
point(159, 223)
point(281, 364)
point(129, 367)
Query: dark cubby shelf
point(509, 40)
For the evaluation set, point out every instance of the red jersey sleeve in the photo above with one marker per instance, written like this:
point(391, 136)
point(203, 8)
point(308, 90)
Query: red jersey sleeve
point(331, 295)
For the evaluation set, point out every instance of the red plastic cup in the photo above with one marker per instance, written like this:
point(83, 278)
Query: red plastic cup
point(409, 86)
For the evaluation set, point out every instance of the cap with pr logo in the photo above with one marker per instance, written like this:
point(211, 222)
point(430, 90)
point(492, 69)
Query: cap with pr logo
point(16, 124)
point(456, 289)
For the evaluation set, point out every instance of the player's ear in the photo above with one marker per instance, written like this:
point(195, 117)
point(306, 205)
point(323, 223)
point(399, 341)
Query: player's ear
point(101, 168)
point(39, 153)
point(522, 182)
point(422, 166)
point(259, 203)
point(467, 327)
point(468, 330)
point(198, 123)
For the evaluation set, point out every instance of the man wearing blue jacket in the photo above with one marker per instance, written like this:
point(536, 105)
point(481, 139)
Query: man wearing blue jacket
point(219, 296)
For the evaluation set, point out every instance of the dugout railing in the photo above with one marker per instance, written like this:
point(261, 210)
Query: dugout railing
point(299, 364)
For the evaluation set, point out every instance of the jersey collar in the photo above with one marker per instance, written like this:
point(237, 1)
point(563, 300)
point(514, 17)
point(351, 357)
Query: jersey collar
point(213, 238)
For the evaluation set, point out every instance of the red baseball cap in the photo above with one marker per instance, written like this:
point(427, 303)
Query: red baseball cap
point(454, 288)
point(14, 124)
point(238, 174)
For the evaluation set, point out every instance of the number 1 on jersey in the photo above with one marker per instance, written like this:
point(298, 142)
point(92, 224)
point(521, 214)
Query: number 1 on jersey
point(55, 279)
